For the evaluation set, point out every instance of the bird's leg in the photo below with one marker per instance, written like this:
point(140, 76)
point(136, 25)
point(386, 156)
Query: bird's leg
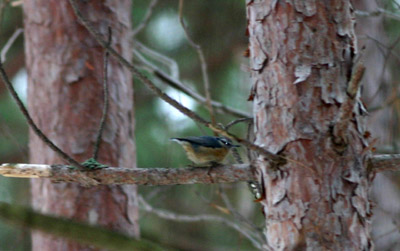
point(211, 166)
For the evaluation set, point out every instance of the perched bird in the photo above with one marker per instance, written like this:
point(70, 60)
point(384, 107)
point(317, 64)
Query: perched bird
point(206, 150)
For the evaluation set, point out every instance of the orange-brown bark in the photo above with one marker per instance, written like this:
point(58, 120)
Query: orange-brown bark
point(65, 99)
point(302, 58)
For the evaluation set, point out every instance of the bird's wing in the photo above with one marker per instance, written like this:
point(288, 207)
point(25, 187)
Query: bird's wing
point(206, 141)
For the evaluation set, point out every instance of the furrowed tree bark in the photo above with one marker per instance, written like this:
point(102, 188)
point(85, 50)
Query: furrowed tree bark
point(65, 68)
point(302, 58)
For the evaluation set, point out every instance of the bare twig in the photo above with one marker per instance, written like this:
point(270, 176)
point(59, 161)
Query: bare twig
point(139, 176)
point(9, 43)
point(177, 84)
point(386, 103)
point(254, 238)
point(167, 98)
point(385, 64)
point(382, 47)
point(238, 217)
point(166, 61)
point(133, 69)
point(146, 19)
point(24, 111)
point(378, 12)
point(105, 93)
point(384, 162)
point(234, 122)
point(203, 63)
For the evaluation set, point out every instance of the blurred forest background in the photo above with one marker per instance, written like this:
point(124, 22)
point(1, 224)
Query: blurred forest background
point(219, 27)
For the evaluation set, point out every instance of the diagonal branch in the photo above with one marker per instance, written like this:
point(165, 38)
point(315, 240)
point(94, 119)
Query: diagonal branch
point(105, 93)
point(22, 108)
point(378, 12)
point(203, 63)
point(9, 43)
point(146, 19)
point(32, 124)
point(171, 80)
point(167, 98)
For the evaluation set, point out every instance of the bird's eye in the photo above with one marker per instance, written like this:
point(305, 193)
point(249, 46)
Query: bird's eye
point(224, 141)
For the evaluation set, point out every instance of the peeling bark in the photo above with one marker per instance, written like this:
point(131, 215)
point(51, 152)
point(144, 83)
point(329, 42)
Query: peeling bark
point(302, 58)
point(65, 99)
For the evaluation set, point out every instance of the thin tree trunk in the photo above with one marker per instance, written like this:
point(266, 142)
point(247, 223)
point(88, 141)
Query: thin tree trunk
point(302, 57)
point(65, 68)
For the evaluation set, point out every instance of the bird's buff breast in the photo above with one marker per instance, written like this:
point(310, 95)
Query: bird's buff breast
point(204, 155)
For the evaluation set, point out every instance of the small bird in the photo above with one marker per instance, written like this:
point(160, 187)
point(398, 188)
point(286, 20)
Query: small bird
point(206, 150)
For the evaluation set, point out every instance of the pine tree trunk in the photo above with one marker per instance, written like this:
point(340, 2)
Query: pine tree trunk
point(65, 70)
point(301, 59)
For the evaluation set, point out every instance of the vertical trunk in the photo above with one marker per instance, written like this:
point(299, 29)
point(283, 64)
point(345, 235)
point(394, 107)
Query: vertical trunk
point(65, 68)
point(301, 57)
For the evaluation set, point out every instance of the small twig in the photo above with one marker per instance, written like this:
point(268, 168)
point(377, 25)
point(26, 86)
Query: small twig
point(177, 84)
point(346, 109)
point(9, 43)
point(165, 97)
point(253, 185)
point(239, 217)
point(24, 111)
point(378, 12)
point(382, 47)
point(387, 103)
point(164, 214)
point(250, 137)
point(203, 63)
point(32, 124)
point(235, 152)
point(105, 93)
point(146, 19)
point(385, 64)
point(232, 123)
point(166, 61)
point(384, 162)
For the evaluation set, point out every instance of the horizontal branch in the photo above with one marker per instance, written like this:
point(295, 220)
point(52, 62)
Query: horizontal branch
point(385, 162)
point(139, 176)
point(378, 12)
point(163, 176)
